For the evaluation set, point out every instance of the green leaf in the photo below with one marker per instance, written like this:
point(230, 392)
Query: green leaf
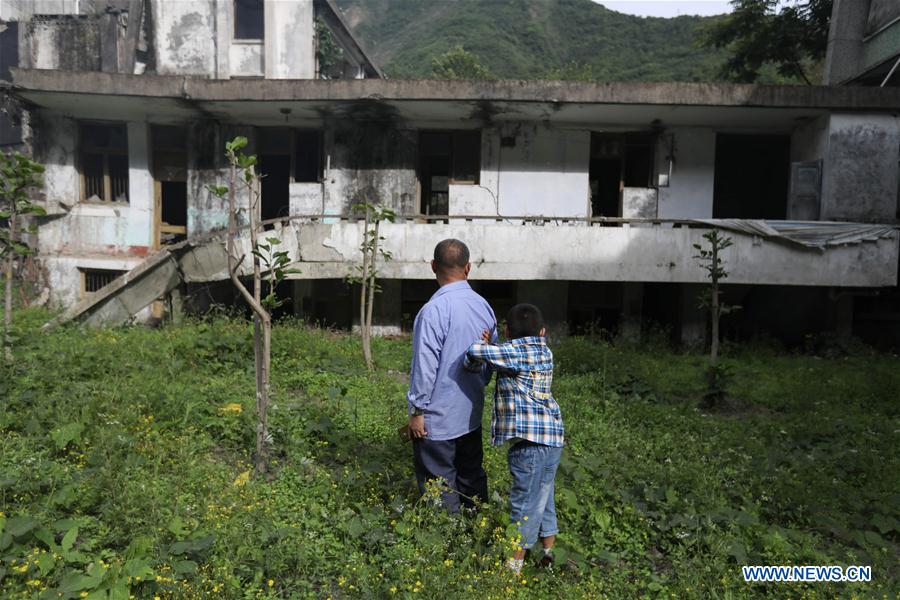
point(236, 144)
point(119, 591)
point(218, 190)
point(19, 526)
point(62, 436)
point(75, 582)
point(183, 567)
point(874, 539)
point(46, 562)
point(737, 550)
point(177, 527)
point(245, 161)
point(137, 568)
point(69, 540)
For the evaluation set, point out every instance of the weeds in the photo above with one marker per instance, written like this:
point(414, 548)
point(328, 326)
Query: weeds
point(125, 460)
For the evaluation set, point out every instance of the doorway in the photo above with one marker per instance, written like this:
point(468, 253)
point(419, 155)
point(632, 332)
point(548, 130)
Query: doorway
point(752, 173)
point(618, 160)
point(169, 158)
point(276, 177)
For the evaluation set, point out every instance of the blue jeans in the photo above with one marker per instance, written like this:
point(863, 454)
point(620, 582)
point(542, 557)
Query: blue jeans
point(533, 469)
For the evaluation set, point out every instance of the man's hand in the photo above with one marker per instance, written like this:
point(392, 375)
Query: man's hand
point(417, 427)
point(486, 336)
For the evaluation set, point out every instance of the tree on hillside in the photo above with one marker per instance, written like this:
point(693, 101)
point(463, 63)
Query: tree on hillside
point(792, 38)
point(458, 63)
point(571, 71)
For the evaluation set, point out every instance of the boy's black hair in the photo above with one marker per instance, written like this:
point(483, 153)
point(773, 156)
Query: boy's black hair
point(524, 320)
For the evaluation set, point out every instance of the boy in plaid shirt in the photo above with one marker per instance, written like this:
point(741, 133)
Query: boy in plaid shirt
point(526, 415)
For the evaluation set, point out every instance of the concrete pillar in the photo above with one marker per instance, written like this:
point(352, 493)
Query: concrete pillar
point(387, 313)
point(302, 298)
point(139, 230)
point(842, 310)
point(224, 30)
point(176, 306)
point(632, 306)
point(843, 59)
point(552, 298)
point(692, 319)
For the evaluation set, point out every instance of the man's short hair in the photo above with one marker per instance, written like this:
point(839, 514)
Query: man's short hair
point(524, 320)
point(451, 254)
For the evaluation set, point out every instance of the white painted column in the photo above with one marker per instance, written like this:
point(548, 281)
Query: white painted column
point(139, 229)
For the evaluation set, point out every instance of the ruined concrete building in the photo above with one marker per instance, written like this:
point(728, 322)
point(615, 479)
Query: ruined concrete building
point(583, 198)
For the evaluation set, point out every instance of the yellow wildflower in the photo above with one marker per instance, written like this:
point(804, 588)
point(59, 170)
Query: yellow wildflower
point(242, 479)
point(231, 408)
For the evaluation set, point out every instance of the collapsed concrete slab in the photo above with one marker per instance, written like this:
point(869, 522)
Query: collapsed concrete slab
point(786, 253)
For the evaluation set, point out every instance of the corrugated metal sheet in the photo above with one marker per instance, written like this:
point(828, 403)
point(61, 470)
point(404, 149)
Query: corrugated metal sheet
point(811, 234)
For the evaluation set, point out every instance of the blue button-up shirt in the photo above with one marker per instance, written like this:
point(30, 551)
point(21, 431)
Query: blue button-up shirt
point(451, 396)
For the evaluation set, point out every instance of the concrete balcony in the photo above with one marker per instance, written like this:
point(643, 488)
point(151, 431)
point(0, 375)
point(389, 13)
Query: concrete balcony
point(569, 250)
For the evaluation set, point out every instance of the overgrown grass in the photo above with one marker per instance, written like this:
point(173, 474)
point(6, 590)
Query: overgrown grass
point(124, 470)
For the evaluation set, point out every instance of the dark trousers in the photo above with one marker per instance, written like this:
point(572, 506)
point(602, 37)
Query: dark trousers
point(458, 462)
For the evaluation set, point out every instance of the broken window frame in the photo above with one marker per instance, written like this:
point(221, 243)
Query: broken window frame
point(244, 19)
point(618, 145)
point(291, 150)
point(86, 148)
point(454, 159)
point(96, 279)
point(319, 154)
point(453, 153)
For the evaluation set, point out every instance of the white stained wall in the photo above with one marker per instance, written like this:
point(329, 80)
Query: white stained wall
point(185, 37)
point(290, 40)
point(690, 191)
point(545, 173)
point(122, 232)
point(22, 10)
point(97, 227)
point(859, 154)
point(860, 173)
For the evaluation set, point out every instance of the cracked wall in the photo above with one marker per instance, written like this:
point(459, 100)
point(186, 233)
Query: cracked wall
point(860, 173)
point(185, 37)
point(371, 162)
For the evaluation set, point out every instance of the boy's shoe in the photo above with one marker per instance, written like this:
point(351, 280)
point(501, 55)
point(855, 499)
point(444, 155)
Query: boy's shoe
point(546, 560)
point(515, 565)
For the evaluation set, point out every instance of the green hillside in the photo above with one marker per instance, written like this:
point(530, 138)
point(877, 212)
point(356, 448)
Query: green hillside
point(530, 38)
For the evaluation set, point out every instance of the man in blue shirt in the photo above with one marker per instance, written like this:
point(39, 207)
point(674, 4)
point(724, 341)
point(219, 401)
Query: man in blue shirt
point(445, 400)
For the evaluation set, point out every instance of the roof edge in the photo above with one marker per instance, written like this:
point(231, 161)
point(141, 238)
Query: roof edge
point(28, 81)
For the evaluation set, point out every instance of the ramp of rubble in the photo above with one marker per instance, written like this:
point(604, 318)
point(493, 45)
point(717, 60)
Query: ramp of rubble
point(119, 301)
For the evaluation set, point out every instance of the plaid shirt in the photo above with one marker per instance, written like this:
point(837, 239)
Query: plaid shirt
point(524, 408)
